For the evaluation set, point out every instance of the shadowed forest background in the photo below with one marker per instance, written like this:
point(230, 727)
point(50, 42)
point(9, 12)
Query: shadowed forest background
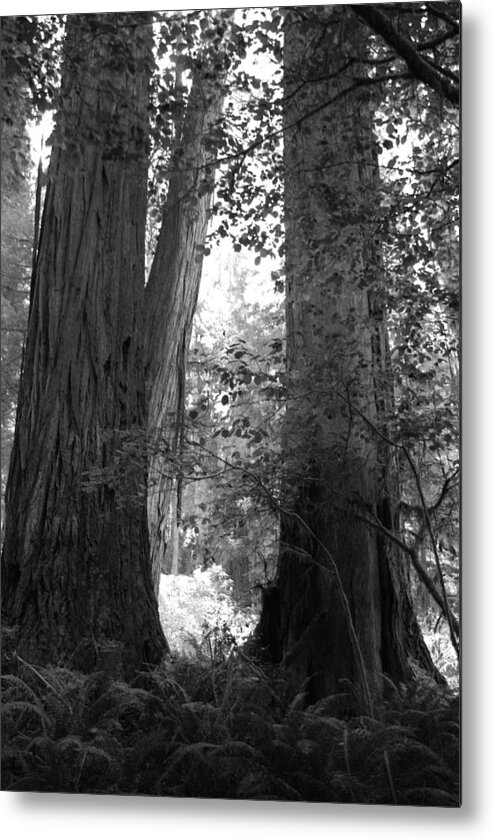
point(230, 456)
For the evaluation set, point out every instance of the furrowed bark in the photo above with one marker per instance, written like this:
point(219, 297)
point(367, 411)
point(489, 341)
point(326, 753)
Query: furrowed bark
point(76, 572)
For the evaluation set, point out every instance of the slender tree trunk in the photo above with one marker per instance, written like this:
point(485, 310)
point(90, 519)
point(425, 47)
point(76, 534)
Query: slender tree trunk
point(340, 609)
point(173, 538)
point(171, 297)
point(76, 572)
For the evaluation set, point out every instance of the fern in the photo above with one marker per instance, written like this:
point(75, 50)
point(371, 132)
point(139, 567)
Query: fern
point(87, 767)
point(239, 750)
point(15, 685)
point(230, 730)
point(346, 788)
point(27, 715)
point(309, 787)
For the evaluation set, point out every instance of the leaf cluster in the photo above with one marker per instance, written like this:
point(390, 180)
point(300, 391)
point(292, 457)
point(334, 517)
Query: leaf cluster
point(30, 62)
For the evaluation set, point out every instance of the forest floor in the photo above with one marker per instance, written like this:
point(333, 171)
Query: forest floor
point(223, 727)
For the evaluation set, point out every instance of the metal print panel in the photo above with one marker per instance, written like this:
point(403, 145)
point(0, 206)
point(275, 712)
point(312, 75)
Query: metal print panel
point(230, 249)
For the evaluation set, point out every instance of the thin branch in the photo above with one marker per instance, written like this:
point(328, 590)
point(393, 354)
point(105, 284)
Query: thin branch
point(443, 492)
point(418, 66)
point(439, 39)
point(358, 83)
point(453, 22)
point(444, 70)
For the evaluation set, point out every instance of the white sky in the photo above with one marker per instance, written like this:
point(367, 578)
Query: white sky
point(39, 133)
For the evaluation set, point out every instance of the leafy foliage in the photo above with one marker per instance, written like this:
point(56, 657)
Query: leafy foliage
point(30, 61)
point(199, 612)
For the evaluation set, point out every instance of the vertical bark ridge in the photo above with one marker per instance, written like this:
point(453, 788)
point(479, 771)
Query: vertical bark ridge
point(76, 571)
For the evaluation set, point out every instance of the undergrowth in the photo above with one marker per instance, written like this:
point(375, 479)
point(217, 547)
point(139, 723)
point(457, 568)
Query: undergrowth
point(200, 610)
point(222, 728)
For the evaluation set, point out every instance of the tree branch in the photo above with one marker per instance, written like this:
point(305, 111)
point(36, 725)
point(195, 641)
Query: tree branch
point(453, 22)
point(417, 65)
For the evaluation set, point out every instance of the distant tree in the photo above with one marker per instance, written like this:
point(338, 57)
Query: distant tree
point(17, 234)
point(16, 242)
point(210, 50)
point(21, 94)
point(173, 285)
point(76, 572)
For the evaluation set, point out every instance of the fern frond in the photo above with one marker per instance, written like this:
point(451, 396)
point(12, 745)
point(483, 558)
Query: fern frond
point(325, 729)
point(346, 788)
point(252, 726)
point(237, 749)
point(283, 791)
point(13, 686)
point(162, 683)
point(46, 675)
point(297, 704)
point(23, 712)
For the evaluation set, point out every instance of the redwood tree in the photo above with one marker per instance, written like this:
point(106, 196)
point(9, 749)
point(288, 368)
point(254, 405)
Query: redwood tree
point(174, 279)
point(340, 608)
point(76, 572)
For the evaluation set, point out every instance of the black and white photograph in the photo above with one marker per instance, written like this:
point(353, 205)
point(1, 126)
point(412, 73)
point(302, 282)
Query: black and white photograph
point(231, 403)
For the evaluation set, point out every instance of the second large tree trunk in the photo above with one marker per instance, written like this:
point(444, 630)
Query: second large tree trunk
point(340, 611)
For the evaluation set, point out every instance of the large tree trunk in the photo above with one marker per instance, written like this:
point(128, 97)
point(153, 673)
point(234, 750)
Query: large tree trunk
point(171, 297)
point(76, 572)
point(340, 609)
